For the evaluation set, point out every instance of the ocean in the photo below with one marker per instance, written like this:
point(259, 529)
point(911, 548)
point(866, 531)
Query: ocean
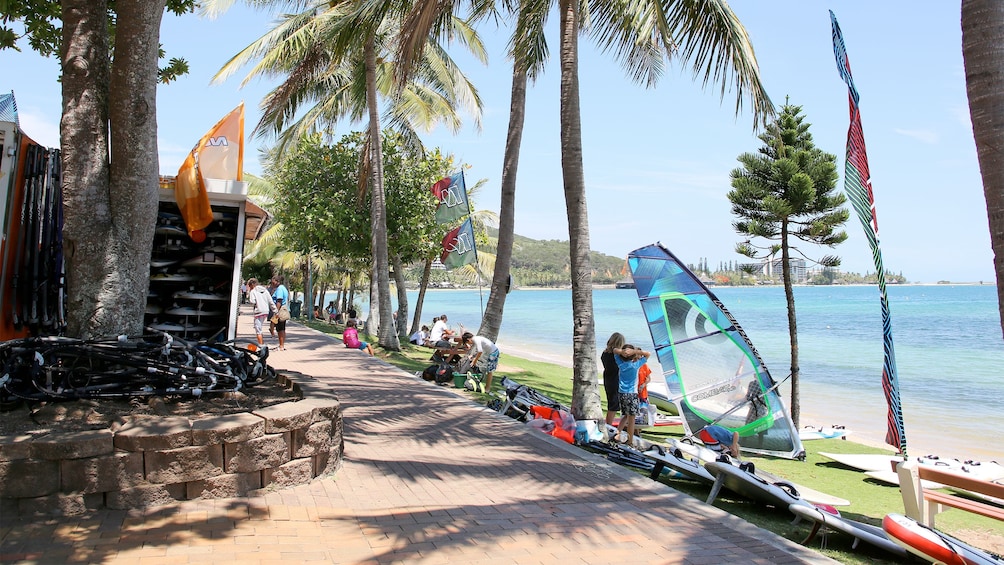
point(948, 344)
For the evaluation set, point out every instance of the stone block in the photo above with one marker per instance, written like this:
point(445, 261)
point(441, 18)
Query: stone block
point(231, 428)
point(225, 486)
point(308, 441)
point(60, 504)
point(73, 445)
point(256, 454)
point(153, 433)
point(28, 478)
point(183, 464)
point(117, 471)
point(14, 447)
point(144, 496)
point(286, 416)
point(296, 472)
point(325, 408)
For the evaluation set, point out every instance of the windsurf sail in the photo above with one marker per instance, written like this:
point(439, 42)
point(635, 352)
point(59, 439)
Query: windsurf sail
point(858, 185)
point(713, 373)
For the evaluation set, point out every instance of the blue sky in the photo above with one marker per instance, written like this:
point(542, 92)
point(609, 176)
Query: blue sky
point(657, 161)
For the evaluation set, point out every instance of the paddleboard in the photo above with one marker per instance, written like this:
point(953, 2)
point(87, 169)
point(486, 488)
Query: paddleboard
point(863, 461)
point(760, 478)
point(750, 485)
point(835, 432)
point(662, 402)
point(892, 478)
point(933, 545)
point(204, 261)
point(676, 460)
point(188, 311)
point(868, 533)
point(173, 277)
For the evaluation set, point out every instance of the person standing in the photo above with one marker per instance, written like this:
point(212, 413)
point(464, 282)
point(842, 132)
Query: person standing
point(486, 355)
point(629, 359)
point(611, 375)
point(281, 297)
point(261, 305)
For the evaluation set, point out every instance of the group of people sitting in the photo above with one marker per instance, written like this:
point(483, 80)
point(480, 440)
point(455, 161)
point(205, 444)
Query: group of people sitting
point(477, 350)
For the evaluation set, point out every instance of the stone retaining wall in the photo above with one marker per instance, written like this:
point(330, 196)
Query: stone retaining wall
point(157, 460)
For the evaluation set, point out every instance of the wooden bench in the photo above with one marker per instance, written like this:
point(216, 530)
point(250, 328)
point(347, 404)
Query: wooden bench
point(922, 504)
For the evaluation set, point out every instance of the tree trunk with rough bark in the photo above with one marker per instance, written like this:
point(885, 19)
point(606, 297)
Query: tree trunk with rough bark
point(111, 198)
point(585, 391)
point(401, 324)
point(789, 296)
point(983, 54)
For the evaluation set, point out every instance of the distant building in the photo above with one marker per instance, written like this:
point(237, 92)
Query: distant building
point(771, 267)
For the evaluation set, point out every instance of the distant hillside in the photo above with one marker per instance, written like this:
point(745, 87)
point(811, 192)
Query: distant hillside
point(537, 262)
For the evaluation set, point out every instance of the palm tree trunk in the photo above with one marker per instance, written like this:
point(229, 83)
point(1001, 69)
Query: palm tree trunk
point(491, 324)
point(982, 28)
point(585, 392)
point(380, 307)
point(402, 299)
point(789, 295)
point(416, 322)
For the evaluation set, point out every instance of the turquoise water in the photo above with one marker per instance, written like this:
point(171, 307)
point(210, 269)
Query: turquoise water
point(949, 351)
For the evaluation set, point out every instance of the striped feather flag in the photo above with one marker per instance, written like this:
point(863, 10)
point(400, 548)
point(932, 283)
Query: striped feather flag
point(857, 184)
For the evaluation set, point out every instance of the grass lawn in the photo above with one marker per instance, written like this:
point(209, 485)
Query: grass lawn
point(870, 500)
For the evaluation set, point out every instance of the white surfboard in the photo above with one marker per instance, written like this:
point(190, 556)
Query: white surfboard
point(863, 461)
point(833, 432)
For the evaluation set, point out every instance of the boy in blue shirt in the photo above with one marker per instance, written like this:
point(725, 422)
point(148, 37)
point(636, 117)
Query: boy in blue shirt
point(629, 359)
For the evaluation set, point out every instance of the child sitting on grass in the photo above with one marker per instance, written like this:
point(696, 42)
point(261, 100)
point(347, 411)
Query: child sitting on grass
point(350, 337)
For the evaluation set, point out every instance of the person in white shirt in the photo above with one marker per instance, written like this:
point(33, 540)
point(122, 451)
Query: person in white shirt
point(421, 337)
point(485, 355)
point(440, 333)
point(261, 305)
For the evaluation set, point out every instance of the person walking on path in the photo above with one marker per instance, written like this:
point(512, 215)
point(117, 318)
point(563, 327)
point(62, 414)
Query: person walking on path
point(261, 305)
point(629, 360)
point(611, 375)
point(281, 297)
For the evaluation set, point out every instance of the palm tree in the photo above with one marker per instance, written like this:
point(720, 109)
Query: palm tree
point(706, 34)
point(322, 50)
point(982, 26)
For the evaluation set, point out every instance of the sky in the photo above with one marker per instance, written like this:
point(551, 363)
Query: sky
point(657, 160)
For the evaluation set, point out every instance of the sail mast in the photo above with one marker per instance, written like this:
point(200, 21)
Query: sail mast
point(858, 185)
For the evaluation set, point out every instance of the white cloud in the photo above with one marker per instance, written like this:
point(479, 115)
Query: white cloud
point(923, 135)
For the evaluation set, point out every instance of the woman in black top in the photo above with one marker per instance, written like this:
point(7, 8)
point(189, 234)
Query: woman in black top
point(611, 375)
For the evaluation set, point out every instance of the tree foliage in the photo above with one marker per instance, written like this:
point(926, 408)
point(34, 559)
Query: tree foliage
point(786, 190)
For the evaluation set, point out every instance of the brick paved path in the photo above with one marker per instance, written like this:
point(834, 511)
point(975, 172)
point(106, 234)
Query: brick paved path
point(428, 477)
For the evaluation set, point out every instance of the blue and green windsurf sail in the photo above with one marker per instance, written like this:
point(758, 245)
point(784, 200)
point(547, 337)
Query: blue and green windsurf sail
point(713, 372)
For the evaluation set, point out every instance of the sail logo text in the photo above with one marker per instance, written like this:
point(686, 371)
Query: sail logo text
point(713, 392)
point(220, 141)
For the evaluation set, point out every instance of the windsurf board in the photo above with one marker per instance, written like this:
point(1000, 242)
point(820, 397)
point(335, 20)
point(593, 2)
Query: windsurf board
point(676, 460)
point(863, 461)
point(933, 545)
point(868, 533)
point(833, 432)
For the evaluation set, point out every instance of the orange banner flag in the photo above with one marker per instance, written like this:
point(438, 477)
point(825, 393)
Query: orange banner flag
point(218, 155)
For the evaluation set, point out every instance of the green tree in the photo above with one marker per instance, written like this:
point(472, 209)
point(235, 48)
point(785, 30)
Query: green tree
point(109, 53)
point(786, 190)
point(337, 56)
point(982, 28)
